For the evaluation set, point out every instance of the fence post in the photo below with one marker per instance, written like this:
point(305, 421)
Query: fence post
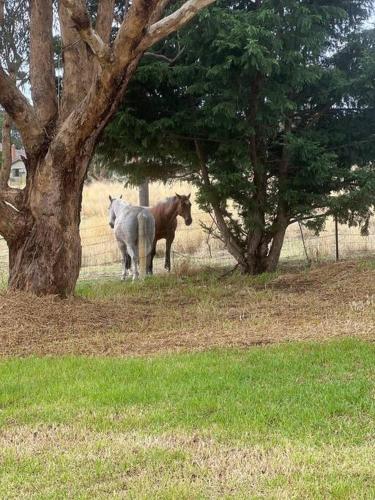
point(337, 239)
point(142, 252)
point(144, 195)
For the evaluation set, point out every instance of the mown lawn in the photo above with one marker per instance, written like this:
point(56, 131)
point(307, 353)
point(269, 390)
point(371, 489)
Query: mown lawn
point(287, 421)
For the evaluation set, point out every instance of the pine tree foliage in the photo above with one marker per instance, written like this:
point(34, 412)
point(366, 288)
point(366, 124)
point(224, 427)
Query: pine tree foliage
point(269, 109)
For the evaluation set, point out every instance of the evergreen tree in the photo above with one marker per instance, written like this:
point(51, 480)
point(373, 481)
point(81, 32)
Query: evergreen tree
point(269, 109)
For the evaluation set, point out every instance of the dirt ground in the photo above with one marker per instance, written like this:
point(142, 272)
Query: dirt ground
point(190, 314)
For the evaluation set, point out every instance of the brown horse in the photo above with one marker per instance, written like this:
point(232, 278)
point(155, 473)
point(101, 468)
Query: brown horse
point(165, 214)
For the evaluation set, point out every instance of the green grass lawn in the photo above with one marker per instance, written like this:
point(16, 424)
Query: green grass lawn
point(289, 421)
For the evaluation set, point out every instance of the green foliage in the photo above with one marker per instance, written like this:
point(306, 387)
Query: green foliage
point(280, 98)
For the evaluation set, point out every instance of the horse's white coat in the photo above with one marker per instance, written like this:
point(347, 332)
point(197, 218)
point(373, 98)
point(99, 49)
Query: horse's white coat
point(124, 219)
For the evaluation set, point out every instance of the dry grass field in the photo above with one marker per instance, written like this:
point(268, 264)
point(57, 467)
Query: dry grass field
point(97, 239)
point(192, 241)
point(195, 312)
point(191, 247)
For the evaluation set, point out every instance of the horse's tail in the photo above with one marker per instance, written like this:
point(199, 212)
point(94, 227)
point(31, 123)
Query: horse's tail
point(146, 235)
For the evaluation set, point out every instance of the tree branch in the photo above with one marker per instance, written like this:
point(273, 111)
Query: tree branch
point(173, 22)
point(104, 19)
point(310, 217)
point(108, 86)
point(22, 114)
point(77, 76)
point(131, 32)
point(162, 57)
point(100, 49)
point(42, 70)
point(159, 10)
point(81, 20)
point(230, 241)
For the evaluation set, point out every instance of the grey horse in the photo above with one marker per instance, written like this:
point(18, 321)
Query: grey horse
point(135, 232)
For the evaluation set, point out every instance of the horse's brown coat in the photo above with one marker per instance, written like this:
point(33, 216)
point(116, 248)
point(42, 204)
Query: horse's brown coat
point(165, 214)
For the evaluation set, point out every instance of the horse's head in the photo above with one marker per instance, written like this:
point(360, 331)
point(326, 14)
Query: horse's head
point(112, 210)
point(184, 208)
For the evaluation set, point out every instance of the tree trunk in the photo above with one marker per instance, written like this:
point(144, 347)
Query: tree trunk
point(264, 258)
point(144, 196)
point(46, 260)
point(256, 260)
point(275, 250)
point(46, 257)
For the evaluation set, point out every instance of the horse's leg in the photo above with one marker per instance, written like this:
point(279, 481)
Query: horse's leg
point(134, 259)
point(128, 261)
point(150, 259)
point(125, 256)
point(168, 244)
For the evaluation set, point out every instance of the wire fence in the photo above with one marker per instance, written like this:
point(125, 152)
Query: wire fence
point(194, 248)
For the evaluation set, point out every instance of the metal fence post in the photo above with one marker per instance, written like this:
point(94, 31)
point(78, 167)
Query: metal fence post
point(337, 239)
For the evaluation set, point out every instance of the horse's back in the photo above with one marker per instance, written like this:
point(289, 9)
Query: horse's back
point(164, 226)
point(126, 225)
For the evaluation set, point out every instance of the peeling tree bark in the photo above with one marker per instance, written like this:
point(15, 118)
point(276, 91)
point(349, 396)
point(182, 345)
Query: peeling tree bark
point(41, 223)
point(42, 71)
point(45, 257)
point(7, 153)
point(104, 19)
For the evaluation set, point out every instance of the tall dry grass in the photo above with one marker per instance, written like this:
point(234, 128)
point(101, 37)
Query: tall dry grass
point(97, 237)
point(100, 248)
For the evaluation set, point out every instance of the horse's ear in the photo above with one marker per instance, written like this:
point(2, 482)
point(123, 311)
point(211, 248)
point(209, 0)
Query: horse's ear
point(110, 198)
point(188, 196)
point(178, 196)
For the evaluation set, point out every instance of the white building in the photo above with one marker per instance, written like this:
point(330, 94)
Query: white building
point(18, 169)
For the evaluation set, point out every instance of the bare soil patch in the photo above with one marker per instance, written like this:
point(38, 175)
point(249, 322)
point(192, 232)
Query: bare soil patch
point(329, 301)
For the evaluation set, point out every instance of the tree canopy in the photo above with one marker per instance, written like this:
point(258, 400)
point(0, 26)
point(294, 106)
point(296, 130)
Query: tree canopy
point(269, 109)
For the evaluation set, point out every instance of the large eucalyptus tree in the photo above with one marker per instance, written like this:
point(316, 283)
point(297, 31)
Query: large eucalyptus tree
point(59, 130)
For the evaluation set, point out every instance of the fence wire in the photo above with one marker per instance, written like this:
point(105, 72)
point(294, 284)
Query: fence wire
point(193, 248)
